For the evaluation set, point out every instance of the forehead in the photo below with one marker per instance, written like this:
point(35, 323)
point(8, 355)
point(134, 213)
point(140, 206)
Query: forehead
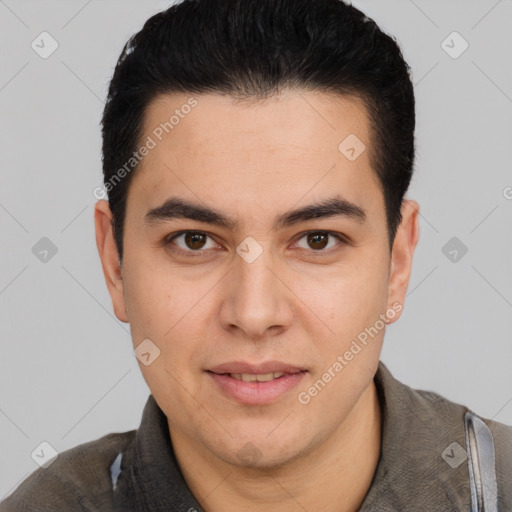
point(298, 120)
point(215, 149)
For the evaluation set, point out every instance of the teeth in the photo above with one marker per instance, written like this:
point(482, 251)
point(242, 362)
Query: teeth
point(261, 377)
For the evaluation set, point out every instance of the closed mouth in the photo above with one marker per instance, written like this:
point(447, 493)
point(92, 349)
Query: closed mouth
point(258, 377)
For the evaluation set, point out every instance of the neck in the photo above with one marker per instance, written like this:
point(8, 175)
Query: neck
point(333, 478)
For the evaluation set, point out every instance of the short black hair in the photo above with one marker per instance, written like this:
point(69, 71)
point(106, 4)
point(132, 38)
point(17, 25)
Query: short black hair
point(252, 49)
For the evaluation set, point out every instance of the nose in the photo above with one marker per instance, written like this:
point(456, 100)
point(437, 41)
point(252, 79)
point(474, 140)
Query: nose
point(258, 300)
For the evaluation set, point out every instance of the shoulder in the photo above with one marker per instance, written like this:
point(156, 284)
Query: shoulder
point(430, 407)
point(488, 443)
point(78, 479)
point(461, 451)
point(439, 408)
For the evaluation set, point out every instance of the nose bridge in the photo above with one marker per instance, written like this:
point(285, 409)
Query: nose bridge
point(257, 299)
point(256, 279)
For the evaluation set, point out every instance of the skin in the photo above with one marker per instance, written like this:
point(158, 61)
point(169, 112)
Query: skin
point(253, 161)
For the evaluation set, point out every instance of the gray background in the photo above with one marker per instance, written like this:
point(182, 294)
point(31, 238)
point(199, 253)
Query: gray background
point(68, 374)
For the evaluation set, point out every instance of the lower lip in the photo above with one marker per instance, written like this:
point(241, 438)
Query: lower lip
point(256, 393)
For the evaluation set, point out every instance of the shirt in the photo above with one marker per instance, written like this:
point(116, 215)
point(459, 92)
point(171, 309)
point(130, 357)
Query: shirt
point(436, 455)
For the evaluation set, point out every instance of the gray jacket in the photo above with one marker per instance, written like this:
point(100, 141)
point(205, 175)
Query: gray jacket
point(436, 456)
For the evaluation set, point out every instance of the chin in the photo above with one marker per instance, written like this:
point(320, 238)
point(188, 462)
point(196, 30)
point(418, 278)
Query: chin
point(258, 449)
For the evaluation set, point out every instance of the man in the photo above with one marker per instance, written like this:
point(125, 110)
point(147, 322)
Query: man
point(256, 238)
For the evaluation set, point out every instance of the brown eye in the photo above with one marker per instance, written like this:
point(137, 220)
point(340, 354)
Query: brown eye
point(195, 240)
point(318, 241)
point(191, 241)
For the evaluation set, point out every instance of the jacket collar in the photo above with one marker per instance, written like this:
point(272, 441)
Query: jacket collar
point(150, 478)
point(421, 431)
point(417, 427)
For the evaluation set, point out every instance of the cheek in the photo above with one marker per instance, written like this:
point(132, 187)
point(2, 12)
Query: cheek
point(351, 296)
point(148, 304)
point(169, 311)
point(345, 310)
point(151, 303)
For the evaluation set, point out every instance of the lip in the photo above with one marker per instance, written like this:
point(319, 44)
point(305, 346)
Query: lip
point(265, 367)
point(256, 393)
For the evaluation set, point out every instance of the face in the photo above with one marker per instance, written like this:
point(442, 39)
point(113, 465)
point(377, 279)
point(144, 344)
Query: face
point(269, 263)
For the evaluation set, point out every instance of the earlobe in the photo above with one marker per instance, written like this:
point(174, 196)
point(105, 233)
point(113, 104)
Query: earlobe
point(109, 257)
point(405, 242)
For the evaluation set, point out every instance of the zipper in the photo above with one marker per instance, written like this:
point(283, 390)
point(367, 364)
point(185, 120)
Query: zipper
point(481, 464)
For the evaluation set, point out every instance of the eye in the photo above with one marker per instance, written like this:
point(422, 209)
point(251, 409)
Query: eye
point(191, 241)
point(319, 240)
point(194, 243)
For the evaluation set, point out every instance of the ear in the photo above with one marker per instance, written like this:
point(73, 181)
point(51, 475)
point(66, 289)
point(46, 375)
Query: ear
point(109, 257)
point(406, 238)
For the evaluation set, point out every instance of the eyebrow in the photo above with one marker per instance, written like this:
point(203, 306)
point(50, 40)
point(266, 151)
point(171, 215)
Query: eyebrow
point(178, 208)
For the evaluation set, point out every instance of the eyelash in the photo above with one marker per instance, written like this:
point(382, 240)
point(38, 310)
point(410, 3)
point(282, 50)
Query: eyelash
point(168, 242)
